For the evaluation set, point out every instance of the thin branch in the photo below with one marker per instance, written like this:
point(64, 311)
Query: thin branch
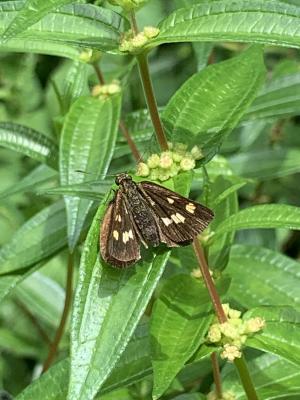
point(99, 74)
point(217, 376)
point(133, 23)
point(209, 283)
point(245, 377)
point(151, 101)
point(60, 330)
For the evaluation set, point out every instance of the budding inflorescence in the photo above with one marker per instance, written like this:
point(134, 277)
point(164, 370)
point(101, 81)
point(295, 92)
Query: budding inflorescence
point(90, 56)
point(106, 90)
point(169, 163)
point(233, 333)
point(129, 5)
point(134, 43)
point(226, 395)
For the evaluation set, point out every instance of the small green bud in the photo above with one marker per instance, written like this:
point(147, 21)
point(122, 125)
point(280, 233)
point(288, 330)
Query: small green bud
point(214, 333)
point(153, 161)
point(151, 32)
point(128, 5)
point(180, 147)
point(174, 170)
point(154, 174)
point(142, 170)
point(177, 157)
point(229, 331)
point(186, 164)
point(253, 325)
point(196, 153)
point(166, 160)
point(90, 56)
point(125, 46)
point(234, 313)
point(163, 176)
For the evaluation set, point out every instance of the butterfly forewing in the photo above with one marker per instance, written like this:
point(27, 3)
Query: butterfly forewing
point(180, 220)
point(119, 244)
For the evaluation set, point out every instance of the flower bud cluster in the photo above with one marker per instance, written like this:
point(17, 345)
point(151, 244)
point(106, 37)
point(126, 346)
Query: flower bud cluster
point(160, 167)
point(133, 43)
point(106, 90)
point(232, 334)
point(128, 5)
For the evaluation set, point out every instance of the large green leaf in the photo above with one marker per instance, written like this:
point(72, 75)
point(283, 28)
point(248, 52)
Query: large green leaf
point(41, 236)
point(31, 12)
point(179, 322)
point(272, 278)
point(70, 27)
point(107, 307)
point(262, 216)
point(31, 182)
point(29, 142)
point(280, 336)
point(280, 97)
point(266, 164)
point(211, 102)
point(273, 377)
point(87, 144)
point(256, 21)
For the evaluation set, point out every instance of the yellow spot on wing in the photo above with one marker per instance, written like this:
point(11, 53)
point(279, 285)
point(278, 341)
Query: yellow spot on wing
point(190, 208)
point(116, 235)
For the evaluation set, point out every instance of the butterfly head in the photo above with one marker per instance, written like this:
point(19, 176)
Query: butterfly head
point(122, 177)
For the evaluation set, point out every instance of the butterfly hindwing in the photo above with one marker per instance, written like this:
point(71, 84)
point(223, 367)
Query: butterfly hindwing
point(180, 219)
point(119, 243)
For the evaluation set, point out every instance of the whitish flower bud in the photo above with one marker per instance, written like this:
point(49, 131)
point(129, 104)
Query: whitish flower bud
point(254, 325)
point(229, 331)
point(226, 308)
point(166, 160)
point(163, 176)
point(214, 334)
point(142, 169)
point(180, 147)
point(139, 40)
point(96, 90)
point(196, 153)
point(154, 174)
point(234, 313)
point(126, 45)
point(114, 87)
point(231, 352)
point(174, 170)
point(90, 56)
point(177, 157)
point(196, 273)
point(186, 164)
point(153, 161)
point(151, 32)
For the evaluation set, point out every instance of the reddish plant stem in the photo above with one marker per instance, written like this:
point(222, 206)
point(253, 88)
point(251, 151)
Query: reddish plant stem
point(60, 330)
point(217, 376)
point(99, 74)
point(151, 101)
point(209, 282)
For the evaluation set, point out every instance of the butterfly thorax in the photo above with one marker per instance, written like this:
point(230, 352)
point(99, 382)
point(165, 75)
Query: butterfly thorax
point(143, 216)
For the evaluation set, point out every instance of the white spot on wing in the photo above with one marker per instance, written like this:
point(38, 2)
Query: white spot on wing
point(167, 221)
point(116, 235)
point(171, 201)
point(125, 237)
point(130, 234)
point(177, 218)
point(118, 218)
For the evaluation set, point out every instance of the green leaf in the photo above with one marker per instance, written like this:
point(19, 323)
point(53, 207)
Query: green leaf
point(219, 250)
point(272, 278)
point(279, 98)
point(209, 91)
point(29, 142)
point(273, 378)
point(35, 179)
point(266, 164)
point(255, 21)
point(31, 12)
point(41, 236)
point(64, 30)
point(94, 190)
point(42, 296)
point(179, 323)
point(12, 343)
point(87, 144)
point(107, 307)
point(281, 333)
point(262, 216)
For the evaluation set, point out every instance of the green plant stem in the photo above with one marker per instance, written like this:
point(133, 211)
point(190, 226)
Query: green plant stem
point(151, 101)
point(60, 330)
point(209, 283)
point(123, 128)
point(217, 376)
point(241, 366)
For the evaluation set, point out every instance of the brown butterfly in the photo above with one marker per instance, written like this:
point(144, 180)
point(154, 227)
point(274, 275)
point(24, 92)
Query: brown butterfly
point(150, 214)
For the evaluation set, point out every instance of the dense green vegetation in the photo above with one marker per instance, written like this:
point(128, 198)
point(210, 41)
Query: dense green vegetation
point(73, 113)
